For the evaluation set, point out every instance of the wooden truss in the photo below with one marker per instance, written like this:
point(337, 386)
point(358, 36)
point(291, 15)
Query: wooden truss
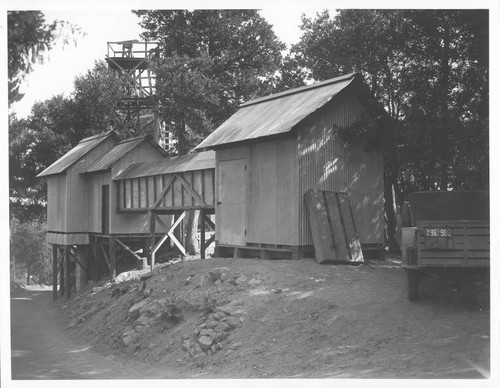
point(154, 218)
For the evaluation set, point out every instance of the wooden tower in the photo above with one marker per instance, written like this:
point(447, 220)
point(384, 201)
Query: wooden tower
point(136, 113)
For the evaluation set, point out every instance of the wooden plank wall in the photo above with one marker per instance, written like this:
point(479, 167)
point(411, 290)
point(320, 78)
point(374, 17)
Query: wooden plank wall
point(325, 162)
point(142, 193)
point(56, 203)
point(272, 193)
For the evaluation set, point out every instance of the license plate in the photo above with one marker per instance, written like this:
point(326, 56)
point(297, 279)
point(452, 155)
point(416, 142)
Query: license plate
point(438, 232)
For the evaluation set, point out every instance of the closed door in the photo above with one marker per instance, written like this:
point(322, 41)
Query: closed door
point(231, 205)
point(105, 210)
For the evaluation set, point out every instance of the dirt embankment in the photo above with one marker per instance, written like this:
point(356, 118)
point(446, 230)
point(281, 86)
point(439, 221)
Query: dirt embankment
point(245, 318)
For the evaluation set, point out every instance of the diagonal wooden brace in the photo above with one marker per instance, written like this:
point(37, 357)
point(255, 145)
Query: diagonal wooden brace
point(128, 249)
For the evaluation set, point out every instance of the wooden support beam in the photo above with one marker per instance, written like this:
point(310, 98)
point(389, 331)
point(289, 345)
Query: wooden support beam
point(170, 234)
point(128, 249)
point(54, 272)
point(94, 258)
point(190, 190)
point(105, 257)
point(210, 240)
point(67, 260)
point(112, 257)
point(202, 236)
point(62, 284)
point(152, 234)
point(164, 191)
point(209, 221)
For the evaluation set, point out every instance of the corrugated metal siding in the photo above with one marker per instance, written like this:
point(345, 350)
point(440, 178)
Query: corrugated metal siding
point(272, 206)
point(197, 161)
point(327, 163)
point(80, 150)
point(276, 115)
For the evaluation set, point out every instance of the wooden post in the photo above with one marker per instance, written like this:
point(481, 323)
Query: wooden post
point(112, 257)
point(202, 236)
point(62, 284)
point(68, 271)
point(54, 271)
point(152, 234)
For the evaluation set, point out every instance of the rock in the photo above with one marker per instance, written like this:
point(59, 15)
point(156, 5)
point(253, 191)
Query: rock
point(206, 281)
point(218, 282)
point(186, 345)
point(207, 332)
point(186, 336)
point(133, 312)
point(242, 279)
point(254, 282)
point(216, 273)
point(219, 315)
point(213, 348)
point(212, 324)
point(127, 340)
point(205, 341)
point(141, 321)
point(235, 345)
point(242, 319)
point(221, 327)
point(188, 280)
point(231, 309)
point(232, 322)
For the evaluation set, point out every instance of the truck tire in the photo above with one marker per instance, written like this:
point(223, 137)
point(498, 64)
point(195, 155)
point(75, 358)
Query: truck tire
point(412, 284)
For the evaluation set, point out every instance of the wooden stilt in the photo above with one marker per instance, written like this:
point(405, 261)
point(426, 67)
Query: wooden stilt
point(54, 272)
point(112, 257)
point(62, 283)
point(68, 271)
point(202, 236)
point(152, 235)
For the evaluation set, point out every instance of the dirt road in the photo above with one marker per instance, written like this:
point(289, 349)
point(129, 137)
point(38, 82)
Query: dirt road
point(42, 350)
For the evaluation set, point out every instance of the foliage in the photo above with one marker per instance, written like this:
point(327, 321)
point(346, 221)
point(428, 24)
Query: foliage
point(430, 70)
point(52, 129)
point(213, 61)
point(29, 247)
point(29, 38)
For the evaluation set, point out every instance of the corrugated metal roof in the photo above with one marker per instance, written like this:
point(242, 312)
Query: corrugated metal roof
point(72, 156)
point(119, 150)
point(276, 114)
point(197, 161)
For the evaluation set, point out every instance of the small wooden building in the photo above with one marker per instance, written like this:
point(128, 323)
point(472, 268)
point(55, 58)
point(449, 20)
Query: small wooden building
point(274, 149)
point(107, 197)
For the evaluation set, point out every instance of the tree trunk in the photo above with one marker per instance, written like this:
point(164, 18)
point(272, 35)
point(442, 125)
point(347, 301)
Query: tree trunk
point(28, 275)
point(191, 232)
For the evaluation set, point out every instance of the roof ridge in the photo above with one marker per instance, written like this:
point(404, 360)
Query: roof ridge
point(140, 137)
point(299, 89)
point(97, 136)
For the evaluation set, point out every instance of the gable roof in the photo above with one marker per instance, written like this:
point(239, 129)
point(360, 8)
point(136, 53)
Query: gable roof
point(76, 153)
point(278, 113)
point(119, 150)
point(196, 161)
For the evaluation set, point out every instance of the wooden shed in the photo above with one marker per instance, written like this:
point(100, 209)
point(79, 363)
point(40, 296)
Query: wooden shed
point(108, 197)
point(274, 149)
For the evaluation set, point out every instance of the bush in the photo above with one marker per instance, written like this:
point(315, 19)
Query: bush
point(30, 251)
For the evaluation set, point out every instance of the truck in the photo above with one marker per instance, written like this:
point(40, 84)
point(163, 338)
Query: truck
point(446, 234)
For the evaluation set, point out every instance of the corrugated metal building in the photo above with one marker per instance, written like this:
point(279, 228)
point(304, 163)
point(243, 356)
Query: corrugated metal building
point(274, 149)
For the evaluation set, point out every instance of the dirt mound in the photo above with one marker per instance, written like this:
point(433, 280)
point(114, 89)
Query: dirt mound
point(261, 318)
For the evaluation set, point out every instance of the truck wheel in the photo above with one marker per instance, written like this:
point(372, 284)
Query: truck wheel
point(412, 284)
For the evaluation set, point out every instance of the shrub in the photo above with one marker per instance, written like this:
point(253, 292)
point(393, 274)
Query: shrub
point(29, 249)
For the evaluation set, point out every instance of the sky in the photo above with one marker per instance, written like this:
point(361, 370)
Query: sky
point(65, 62)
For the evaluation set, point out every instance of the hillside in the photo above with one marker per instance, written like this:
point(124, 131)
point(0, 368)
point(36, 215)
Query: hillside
point(243, 318)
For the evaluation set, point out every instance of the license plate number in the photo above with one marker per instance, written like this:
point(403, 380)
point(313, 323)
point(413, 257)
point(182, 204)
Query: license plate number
point(438, 232)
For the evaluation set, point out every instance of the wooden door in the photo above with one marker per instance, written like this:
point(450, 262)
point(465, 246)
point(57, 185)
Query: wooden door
point(105, 210)
point(231, 205)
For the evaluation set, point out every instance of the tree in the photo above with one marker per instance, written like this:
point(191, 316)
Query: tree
point(28, 247)
point(29, 38)
point(229, 53)
point(429, 69)
point(213, 61)
point(52, 129)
